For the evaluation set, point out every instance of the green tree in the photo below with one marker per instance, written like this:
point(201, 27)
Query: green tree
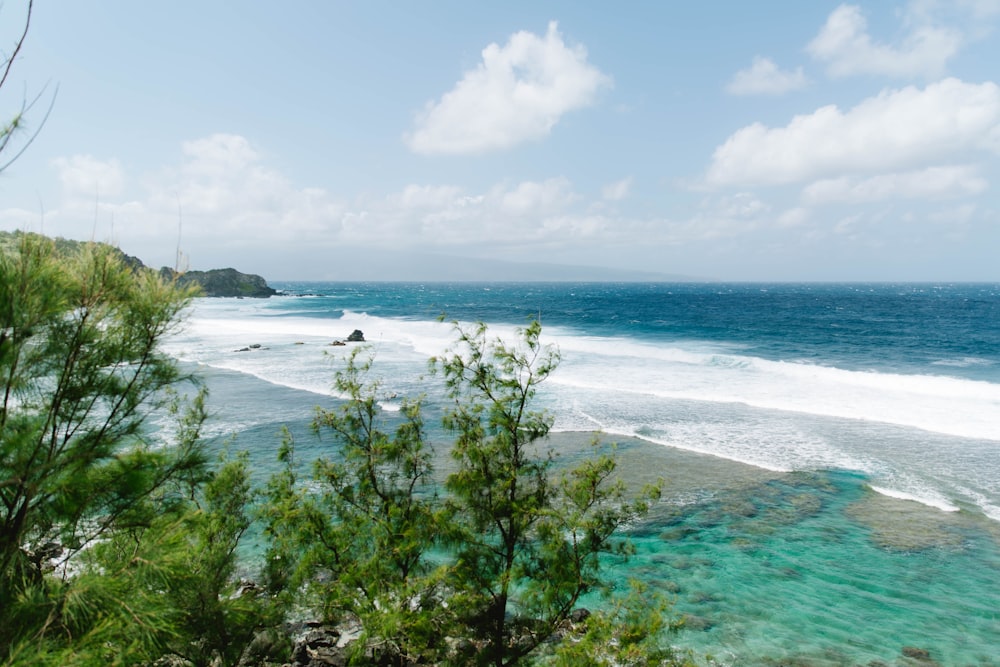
point(360, 540)
point(80, 370)
point(148, 530)
point(527, 541)
point(631, 631)
point(181, 568)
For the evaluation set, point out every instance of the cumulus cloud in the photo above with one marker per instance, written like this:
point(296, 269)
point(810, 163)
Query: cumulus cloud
point(763, 77)
point(505, 214)
point(845, 46)
point(718, 217)
point(897, 130)
point(536, 198)
point(88, 177)
point(982, 8)
point(517, 93)
point(223, 188)
point(931, 183)
point(618, 190)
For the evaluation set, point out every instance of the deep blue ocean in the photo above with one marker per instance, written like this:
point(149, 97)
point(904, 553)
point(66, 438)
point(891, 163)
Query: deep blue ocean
point(831, 451)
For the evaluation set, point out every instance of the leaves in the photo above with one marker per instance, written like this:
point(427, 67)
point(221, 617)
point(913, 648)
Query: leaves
point(527, 541)
point(149, 531)
point(360, 541)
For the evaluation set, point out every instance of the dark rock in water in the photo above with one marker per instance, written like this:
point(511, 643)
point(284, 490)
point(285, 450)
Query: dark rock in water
point(916, 653)
point(697, 623)
point(250, 348)
point(579, 615)
point(356, 337)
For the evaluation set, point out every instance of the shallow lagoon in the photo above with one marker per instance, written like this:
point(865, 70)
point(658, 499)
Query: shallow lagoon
point(771, 568)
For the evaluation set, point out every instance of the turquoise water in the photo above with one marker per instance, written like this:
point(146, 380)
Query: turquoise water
point(831, 453)
point(782, 571)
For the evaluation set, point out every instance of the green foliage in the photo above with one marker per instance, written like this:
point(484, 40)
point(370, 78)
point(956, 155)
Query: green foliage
point(147, 533)
point(360, 541)
point(634, 631)
point(80, 370)
point(527, 541)
point(517, 540)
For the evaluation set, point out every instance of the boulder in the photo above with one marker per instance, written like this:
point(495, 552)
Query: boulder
point(356, 337)
point(916, 653)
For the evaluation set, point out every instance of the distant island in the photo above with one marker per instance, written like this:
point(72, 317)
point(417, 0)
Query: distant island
point(215, 282)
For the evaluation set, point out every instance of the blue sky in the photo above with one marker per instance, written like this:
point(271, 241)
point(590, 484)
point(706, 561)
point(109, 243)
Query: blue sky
point(333, 140)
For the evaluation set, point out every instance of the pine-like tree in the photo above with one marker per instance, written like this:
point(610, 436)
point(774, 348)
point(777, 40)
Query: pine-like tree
point(359, 539)
point(527, 538)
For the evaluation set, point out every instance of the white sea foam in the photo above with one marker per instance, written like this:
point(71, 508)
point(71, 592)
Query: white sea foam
point(931, 501)
point(915, 436)
point(953, 406)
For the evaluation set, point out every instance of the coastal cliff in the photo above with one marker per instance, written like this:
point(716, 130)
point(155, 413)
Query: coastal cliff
point(215, 282)
point(223, 282)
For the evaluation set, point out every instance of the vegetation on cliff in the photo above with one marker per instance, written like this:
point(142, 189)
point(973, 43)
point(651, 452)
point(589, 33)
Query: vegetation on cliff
point(215, 282)
point(223, 282)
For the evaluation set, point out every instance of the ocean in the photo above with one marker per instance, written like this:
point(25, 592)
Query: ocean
point(831, 452)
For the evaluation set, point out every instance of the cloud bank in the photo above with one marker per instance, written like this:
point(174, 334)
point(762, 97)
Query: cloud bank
point(896, 129)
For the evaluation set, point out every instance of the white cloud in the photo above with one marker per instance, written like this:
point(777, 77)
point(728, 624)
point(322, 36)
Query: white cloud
point(725, 217)
point(86, 176)
point(442, 216)
point(763, 77)
point(517, 93)
point(847, 49)
point(534, 198)
point(221, 193)
point(426, 196)
point(982, 8)
point(931, 183)
point(218, 155)
point(959, 215)
point(793, 217)
point(897, 130)
point(618, 190)
point(223, 189)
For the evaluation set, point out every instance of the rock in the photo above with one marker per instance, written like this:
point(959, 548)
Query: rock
point(222, 282)
point(916, 653)
point(579, 615)
point(318, 648)
point(356, 337)
point(338, 343)
point(172, 660)
point(697, 623)
point(270, 645)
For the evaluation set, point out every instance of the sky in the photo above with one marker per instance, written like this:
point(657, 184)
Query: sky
point(330, 140)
